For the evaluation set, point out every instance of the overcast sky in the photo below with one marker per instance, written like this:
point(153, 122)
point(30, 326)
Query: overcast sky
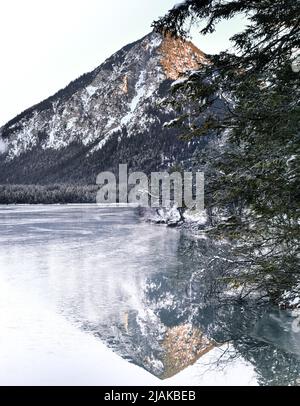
point(46, 44)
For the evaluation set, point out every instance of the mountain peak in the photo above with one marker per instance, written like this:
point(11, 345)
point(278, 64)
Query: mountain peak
point(177, 56)
point(111, 115)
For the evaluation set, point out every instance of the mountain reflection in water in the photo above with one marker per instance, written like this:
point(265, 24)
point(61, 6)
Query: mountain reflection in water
point(150, 293)
point(179, 318)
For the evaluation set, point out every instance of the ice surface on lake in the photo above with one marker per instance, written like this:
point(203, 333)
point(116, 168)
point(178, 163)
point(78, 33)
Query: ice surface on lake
point(65, 273)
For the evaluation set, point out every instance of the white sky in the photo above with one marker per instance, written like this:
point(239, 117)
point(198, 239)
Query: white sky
point(46, 44)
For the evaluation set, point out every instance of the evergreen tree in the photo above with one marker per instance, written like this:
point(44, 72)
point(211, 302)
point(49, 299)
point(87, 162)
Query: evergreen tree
point(253, 174)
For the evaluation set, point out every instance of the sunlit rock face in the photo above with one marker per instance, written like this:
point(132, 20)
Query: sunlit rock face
point(178, 56)
point(114, 114)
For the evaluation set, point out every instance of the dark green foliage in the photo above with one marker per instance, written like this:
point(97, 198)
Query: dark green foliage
point(53, 194)
point(252, 173)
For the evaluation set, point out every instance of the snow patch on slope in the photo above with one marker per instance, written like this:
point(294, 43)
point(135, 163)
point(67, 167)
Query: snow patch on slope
point(140, 93)
point(25, 139)
point(105, 139)
point(91, 90)
point(155, 42)
point(3, 146)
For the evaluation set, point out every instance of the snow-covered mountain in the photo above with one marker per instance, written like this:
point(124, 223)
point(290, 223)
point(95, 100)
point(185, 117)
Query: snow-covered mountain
point(114, 114)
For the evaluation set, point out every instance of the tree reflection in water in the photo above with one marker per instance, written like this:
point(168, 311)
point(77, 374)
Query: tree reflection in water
point(185, 314)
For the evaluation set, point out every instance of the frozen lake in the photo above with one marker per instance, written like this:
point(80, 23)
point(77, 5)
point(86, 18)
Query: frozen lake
point(93, 296)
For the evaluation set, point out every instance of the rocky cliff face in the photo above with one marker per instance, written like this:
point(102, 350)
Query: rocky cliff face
point(112, 115)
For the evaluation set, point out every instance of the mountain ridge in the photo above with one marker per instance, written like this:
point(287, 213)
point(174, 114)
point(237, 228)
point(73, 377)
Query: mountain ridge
point(113, 114)
point(70, 85)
